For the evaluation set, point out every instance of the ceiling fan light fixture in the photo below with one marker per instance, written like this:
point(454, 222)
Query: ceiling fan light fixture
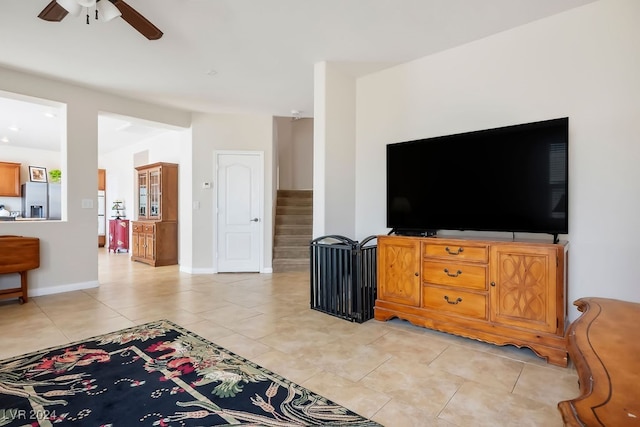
point(71, 6)
point(107, 11)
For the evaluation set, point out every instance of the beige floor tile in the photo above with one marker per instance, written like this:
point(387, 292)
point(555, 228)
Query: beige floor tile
point(419, 348)
point(31, 340)
point(349, 361)
point(297, 342)
point(242, 346)
point(93, 311)
point(91, 328)
point(295, 369)
point(208, 330)
point(479, 405)
point(534, 380)
point(399, 414)
point(229, 315)
point(415, 384)
point(180, 317)
point(12, 310)
point(479, 366)
point(19, 326)
point(353, 395)
point(258, 326)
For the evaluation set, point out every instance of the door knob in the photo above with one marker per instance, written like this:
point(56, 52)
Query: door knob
point(255, 220)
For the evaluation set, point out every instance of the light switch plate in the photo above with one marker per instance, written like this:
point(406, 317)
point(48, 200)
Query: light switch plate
point(87, 203)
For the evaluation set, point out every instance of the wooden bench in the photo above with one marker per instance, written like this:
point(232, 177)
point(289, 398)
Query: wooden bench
point(18, 255)
point(604, 344)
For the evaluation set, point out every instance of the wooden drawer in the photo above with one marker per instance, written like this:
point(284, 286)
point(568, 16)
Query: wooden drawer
point(454, 301)
point(472, 276)
point(140, 227)
point(479, 253)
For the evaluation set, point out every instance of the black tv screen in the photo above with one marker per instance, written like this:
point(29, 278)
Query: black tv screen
point(512, 178)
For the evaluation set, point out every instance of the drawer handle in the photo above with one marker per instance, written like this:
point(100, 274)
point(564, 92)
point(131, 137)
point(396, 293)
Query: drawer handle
point(450, 252)
point(458, 300)
point(459, 272)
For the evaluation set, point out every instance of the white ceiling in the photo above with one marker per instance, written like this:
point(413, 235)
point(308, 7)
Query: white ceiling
point(242, 55)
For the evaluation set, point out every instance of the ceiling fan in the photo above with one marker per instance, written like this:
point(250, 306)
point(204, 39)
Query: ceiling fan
point(108, 9)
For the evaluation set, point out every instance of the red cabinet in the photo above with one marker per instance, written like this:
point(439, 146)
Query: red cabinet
point(118, 235)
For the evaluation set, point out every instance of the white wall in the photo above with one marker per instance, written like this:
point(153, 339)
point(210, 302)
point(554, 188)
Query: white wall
point(213, 132)
point(68, 249)
point(302, 156)
point(284, 144)
point(294, 141)
point(583, 64)
point(334, 136)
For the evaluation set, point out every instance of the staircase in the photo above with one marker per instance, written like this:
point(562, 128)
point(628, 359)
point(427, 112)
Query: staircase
point(294, 216)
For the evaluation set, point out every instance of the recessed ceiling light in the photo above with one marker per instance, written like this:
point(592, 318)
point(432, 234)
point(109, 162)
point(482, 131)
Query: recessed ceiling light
point(14, 128)
point(49, 115)
point(4, 139)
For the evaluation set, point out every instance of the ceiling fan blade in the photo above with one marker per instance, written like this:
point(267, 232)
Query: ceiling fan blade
point(137, 21)
point(53, 12)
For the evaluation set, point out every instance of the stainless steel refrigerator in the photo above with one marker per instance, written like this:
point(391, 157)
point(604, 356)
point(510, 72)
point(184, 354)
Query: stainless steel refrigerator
point(102, 224)
point(55, 201)
point(35, 200)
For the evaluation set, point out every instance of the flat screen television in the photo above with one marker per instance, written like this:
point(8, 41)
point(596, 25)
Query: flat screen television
point(512, 179)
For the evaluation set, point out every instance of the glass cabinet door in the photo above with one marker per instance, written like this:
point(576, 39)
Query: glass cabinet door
point(154, 193)
point(142, 194)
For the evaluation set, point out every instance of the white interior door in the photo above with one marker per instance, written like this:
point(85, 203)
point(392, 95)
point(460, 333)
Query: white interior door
point(239, 219)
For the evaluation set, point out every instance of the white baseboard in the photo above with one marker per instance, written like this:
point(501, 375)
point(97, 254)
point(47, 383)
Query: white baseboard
point(190, 270)
point(268, 270)
point(50, 290)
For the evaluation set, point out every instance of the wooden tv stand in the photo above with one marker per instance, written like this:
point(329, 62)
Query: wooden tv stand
point(501, 292)
point(604, 344)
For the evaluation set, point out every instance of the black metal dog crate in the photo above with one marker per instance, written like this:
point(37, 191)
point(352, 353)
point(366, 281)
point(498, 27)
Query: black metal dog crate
point(343, 277)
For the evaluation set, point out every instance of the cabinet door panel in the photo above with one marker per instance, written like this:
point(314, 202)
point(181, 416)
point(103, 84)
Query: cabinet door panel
point(9, 179)
point(154, 194)
point(398, 272)
point(149, 241)
point(143, 201)
point(523, 289)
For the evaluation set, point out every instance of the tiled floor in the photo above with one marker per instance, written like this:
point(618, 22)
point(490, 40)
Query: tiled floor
point(392, 372)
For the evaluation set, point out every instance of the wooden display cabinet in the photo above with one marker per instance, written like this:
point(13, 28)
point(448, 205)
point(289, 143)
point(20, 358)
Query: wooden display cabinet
point(154, 235)
point(9, 179)
point(494, 291)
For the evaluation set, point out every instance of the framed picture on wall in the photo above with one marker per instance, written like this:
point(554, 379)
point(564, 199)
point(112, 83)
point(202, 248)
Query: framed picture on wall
point(37, 174)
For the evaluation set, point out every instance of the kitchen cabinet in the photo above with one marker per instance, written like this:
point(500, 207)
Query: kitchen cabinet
point(154, 234)
point(102, 179)
point(9, 179)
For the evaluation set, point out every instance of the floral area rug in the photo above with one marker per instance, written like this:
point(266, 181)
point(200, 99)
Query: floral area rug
point(156, 374)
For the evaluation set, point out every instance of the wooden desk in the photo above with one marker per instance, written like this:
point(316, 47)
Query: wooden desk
point(604, 344)
point(18, 255)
